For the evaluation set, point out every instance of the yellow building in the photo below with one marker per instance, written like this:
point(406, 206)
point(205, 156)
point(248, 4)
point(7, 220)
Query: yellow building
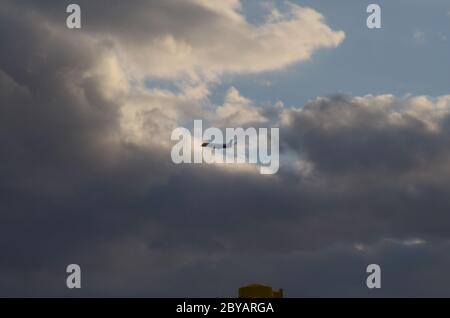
point(259, 291)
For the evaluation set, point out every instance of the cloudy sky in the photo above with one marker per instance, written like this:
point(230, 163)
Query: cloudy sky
point(86, 175)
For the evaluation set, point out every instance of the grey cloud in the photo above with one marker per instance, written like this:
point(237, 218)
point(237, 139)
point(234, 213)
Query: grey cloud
point(194, 39)
point(72, 190)
point(338, 134)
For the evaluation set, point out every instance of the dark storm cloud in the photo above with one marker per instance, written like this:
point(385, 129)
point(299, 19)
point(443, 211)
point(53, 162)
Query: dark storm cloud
point(340, 135)
point(57, 172)
point(73, 191)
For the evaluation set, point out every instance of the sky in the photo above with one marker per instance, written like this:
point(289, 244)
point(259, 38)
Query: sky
point(390, 60)
point(86, 175)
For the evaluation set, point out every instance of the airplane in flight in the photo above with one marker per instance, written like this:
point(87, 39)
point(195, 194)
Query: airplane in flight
point(214, 146)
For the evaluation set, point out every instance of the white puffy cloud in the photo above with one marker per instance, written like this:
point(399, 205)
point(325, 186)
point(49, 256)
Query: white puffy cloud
point(201, 39)
point(191, 43)
point(227, 43)
point(238, 111)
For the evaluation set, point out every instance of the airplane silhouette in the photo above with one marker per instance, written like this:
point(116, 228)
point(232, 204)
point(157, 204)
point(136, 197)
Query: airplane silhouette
point(217, 146)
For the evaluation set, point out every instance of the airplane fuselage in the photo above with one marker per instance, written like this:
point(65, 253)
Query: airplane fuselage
point(215, 146)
